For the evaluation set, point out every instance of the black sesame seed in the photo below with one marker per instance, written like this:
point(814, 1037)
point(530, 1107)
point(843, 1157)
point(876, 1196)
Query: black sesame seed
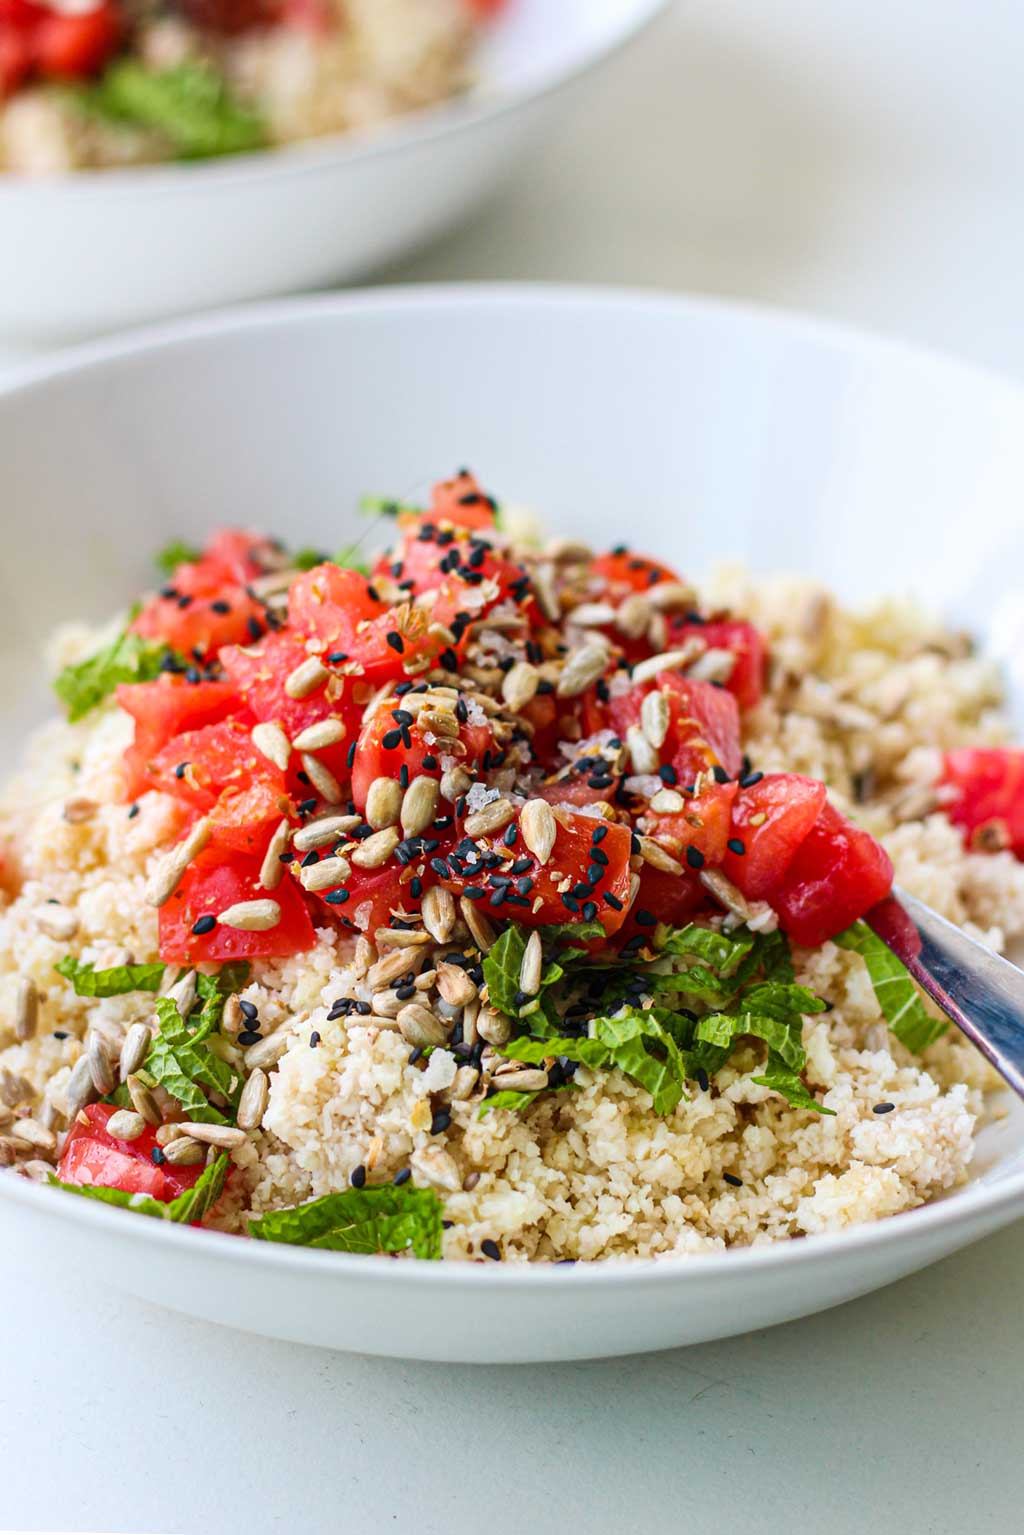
point(357, 1178)
point(750, 779)
point(440, 868)
point(612, 901)
point(203, 925)
point(511, 833)
point(249, 1037)
point(731, 1178)
point(314, 1039)
point(391, 739)
point(883, 1108)
point(589, 911)
point(364, 1009)
point(695, 858)
point(702, 1079)
point(249, 1009)
point(430, 763)
point(350, 756)
point(402, 1176)
point(735, 845)
point(668, 774)
point(490, 1249)
point(336, 897)
point(644, 918)
point(157, 1156)
point(440, 1122)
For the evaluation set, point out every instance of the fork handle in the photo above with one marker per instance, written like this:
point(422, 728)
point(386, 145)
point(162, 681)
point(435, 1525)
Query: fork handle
point(980, 991)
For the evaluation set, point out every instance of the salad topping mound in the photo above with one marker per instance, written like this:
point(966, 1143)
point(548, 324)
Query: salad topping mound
point(515, 789)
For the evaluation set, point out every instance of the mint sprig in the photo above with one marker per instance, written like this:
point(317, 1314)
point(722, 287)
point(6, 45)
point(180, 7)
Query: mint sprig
point(116, 981)
point(383, 1219)
point(898, 997)
point(129, 658)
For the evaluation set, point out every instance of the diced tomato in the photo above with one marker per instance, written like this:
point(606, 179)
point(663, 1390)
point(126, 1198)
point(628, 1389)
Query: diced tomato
point(461, 501)
point(747, 644)
point(331, 602)
point(704, 825)
point(233, 555)
point(671, 898)
point(210, 885)
point(485, 9)
point(598, 869)
point(575, 790)
point(623, 572)
point(771, 819)
point(198, 625)
point(92, 1156)
point(199, 765)
point(16, 57)
point(245, 818)
point(707, 722)
point(71, 45)
point(163, 709)
point(838, 873)
point(989, 803)
point(375, 759)
point(427, 556)
point(373, 895)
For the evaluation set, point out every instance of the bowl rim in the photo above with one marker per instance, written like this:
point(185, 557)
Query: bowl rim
point(447, 119)
point(984, 1200)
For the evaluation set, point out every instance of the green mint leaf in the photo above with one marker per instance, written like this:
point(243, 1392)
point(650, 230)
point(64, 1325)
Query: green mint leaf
point(129, 658)
point(193, 1204)
point(721, 952)
point(309, 559)
point(213, 991)
point(501, 969)
point(182, 1063)
point(572, 932)
point(115, 982)
point(784, 1038)
point(385, 506)
point(511, 1099)
point(781, 1079)
point(366, 1220)
point(629, 1041)
point(898, 997)
point(190, 103)
point(174, 554)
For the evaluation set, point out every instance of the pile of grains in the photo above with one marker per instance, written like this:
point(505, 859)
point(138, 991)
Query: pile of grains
point(864, 702)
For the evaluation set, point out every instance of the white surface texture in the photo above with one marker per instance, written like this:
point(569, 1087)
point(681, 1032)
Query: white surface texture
point(861, 158)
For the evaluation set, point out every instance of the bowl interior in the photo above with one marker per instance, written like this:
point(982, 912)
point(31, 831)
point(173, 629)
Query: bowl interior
point(696, 431)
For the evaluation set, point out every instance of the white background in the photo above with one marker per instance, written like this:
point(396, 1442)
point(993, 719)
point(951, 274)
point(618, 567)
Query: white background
point(863, 158)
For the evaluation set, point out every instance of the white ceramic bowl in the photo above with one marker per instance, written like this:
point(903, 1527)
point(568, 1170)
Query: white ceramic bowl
point(696, 429)
point(99, 250)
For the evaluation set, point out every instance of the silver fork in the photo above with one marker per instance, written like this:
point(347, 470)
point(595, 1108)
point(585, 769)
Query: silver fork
point(980, 991)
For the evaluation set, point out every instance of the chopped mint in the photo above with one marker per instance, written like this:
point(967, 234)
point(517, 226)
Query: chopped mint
point(190, 104)
point(129, 658)
point(183, 1064)
point(501, 972)
point(381, 1219)
point(115, 982)
point(778, 1076)
point(191, 1205)
point(628, 1040)
point(174, 554)
point(721, 952)
point(384, 506)
point(906, 1014)
point(309, 559)
point(511, 1099)
point(580, 932)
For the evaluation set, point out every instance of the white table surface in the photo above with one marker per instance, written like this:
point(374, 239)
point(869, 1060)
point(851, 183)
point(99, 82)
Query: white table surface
point(857, 157)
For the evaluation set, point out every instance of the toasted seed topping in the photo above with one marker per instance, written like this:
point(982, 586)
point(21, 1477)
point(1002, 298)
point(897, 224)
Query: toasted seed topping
point(324, 831)
point(672, 597)
point(325, 874)
point(454, 985)
point(400, 938)
point(31, 1133)
point(26, 1009)
point(135, 1049)
point(538, 828)
point(655, 719)
point(252, 1105)
point(322, 779)
point(490, 818)
point(143, 1101)
point(438, 1167)
point(272, 868)
point(633, 616)
point(306, 678)
point(316, 737)
point(438, 912)
point(376, 850)
point(268, 1051)
point(667, 802)
point(654, 854)
point(669, 660)
point(226, 1137)
point(480, 929)
point(494, 1027)
point(251, 916)
point(168, 875)
point(184, 992)
point(383, 803)
point(454, 784)
point(79, 809)
point(641, 753)
point(581, 670)
point(529, 1080)
point(271, 740)
point(419, 805)
point(126, 1125)
point(101, 1067)
point(57, 922)
point(532, 966)
point(393, 965)
point(713, 666)
point(183, 1151)
point(422, 1027)
point(519, 685)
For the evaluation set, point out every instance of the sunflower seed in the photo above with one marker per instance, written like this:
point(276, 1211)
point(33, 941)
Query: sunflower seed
point(26, 1009)
point(438, 1167)
point(668, 660)
point(8, 1152)
point(714, 666)
point(419, 805)
point(268, 1051)
point(143, 1101)
point(316, 737)
point(519, 685)
point(376, 850)
point(454, 784)
point(322, 832)
point(79, 809)
point(420, 1027)
point(654, 718)
point(582, 668)
point(270, 740)
point(464, 1085)
point(672, 597)
point(183, 1151)
point(57, 922)
point(184, 992)
point(31, 1133)
point(542, 579)
point(399, 938)
point(126, 1125)
point(633, 616)
point(252, 1105)
point(641, 753)
point(455, 985)
point(386, 1004)
point(383, 803)
point(168, 874)
point(494, 1027)
point(306, 678)
point(591, 615)
point(166, 1133)
point(654, 854)
point(490, 817)
point(135, 1049)
point(226, 1137)
point(251, 916)
point(538, 828)
point(438, 912)
point(101, 1067)
point(14, 1089)
point(322, 779)
point(325, 874)
point(232, 1019)
point(529, 1080)
point(532, 965)
point(388, 969)
point(35, 1170)
point(480, 929)
point(80, 1088)
point(224, 1050)
point(569, 551)
point(442, 722)
point(667, 802)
